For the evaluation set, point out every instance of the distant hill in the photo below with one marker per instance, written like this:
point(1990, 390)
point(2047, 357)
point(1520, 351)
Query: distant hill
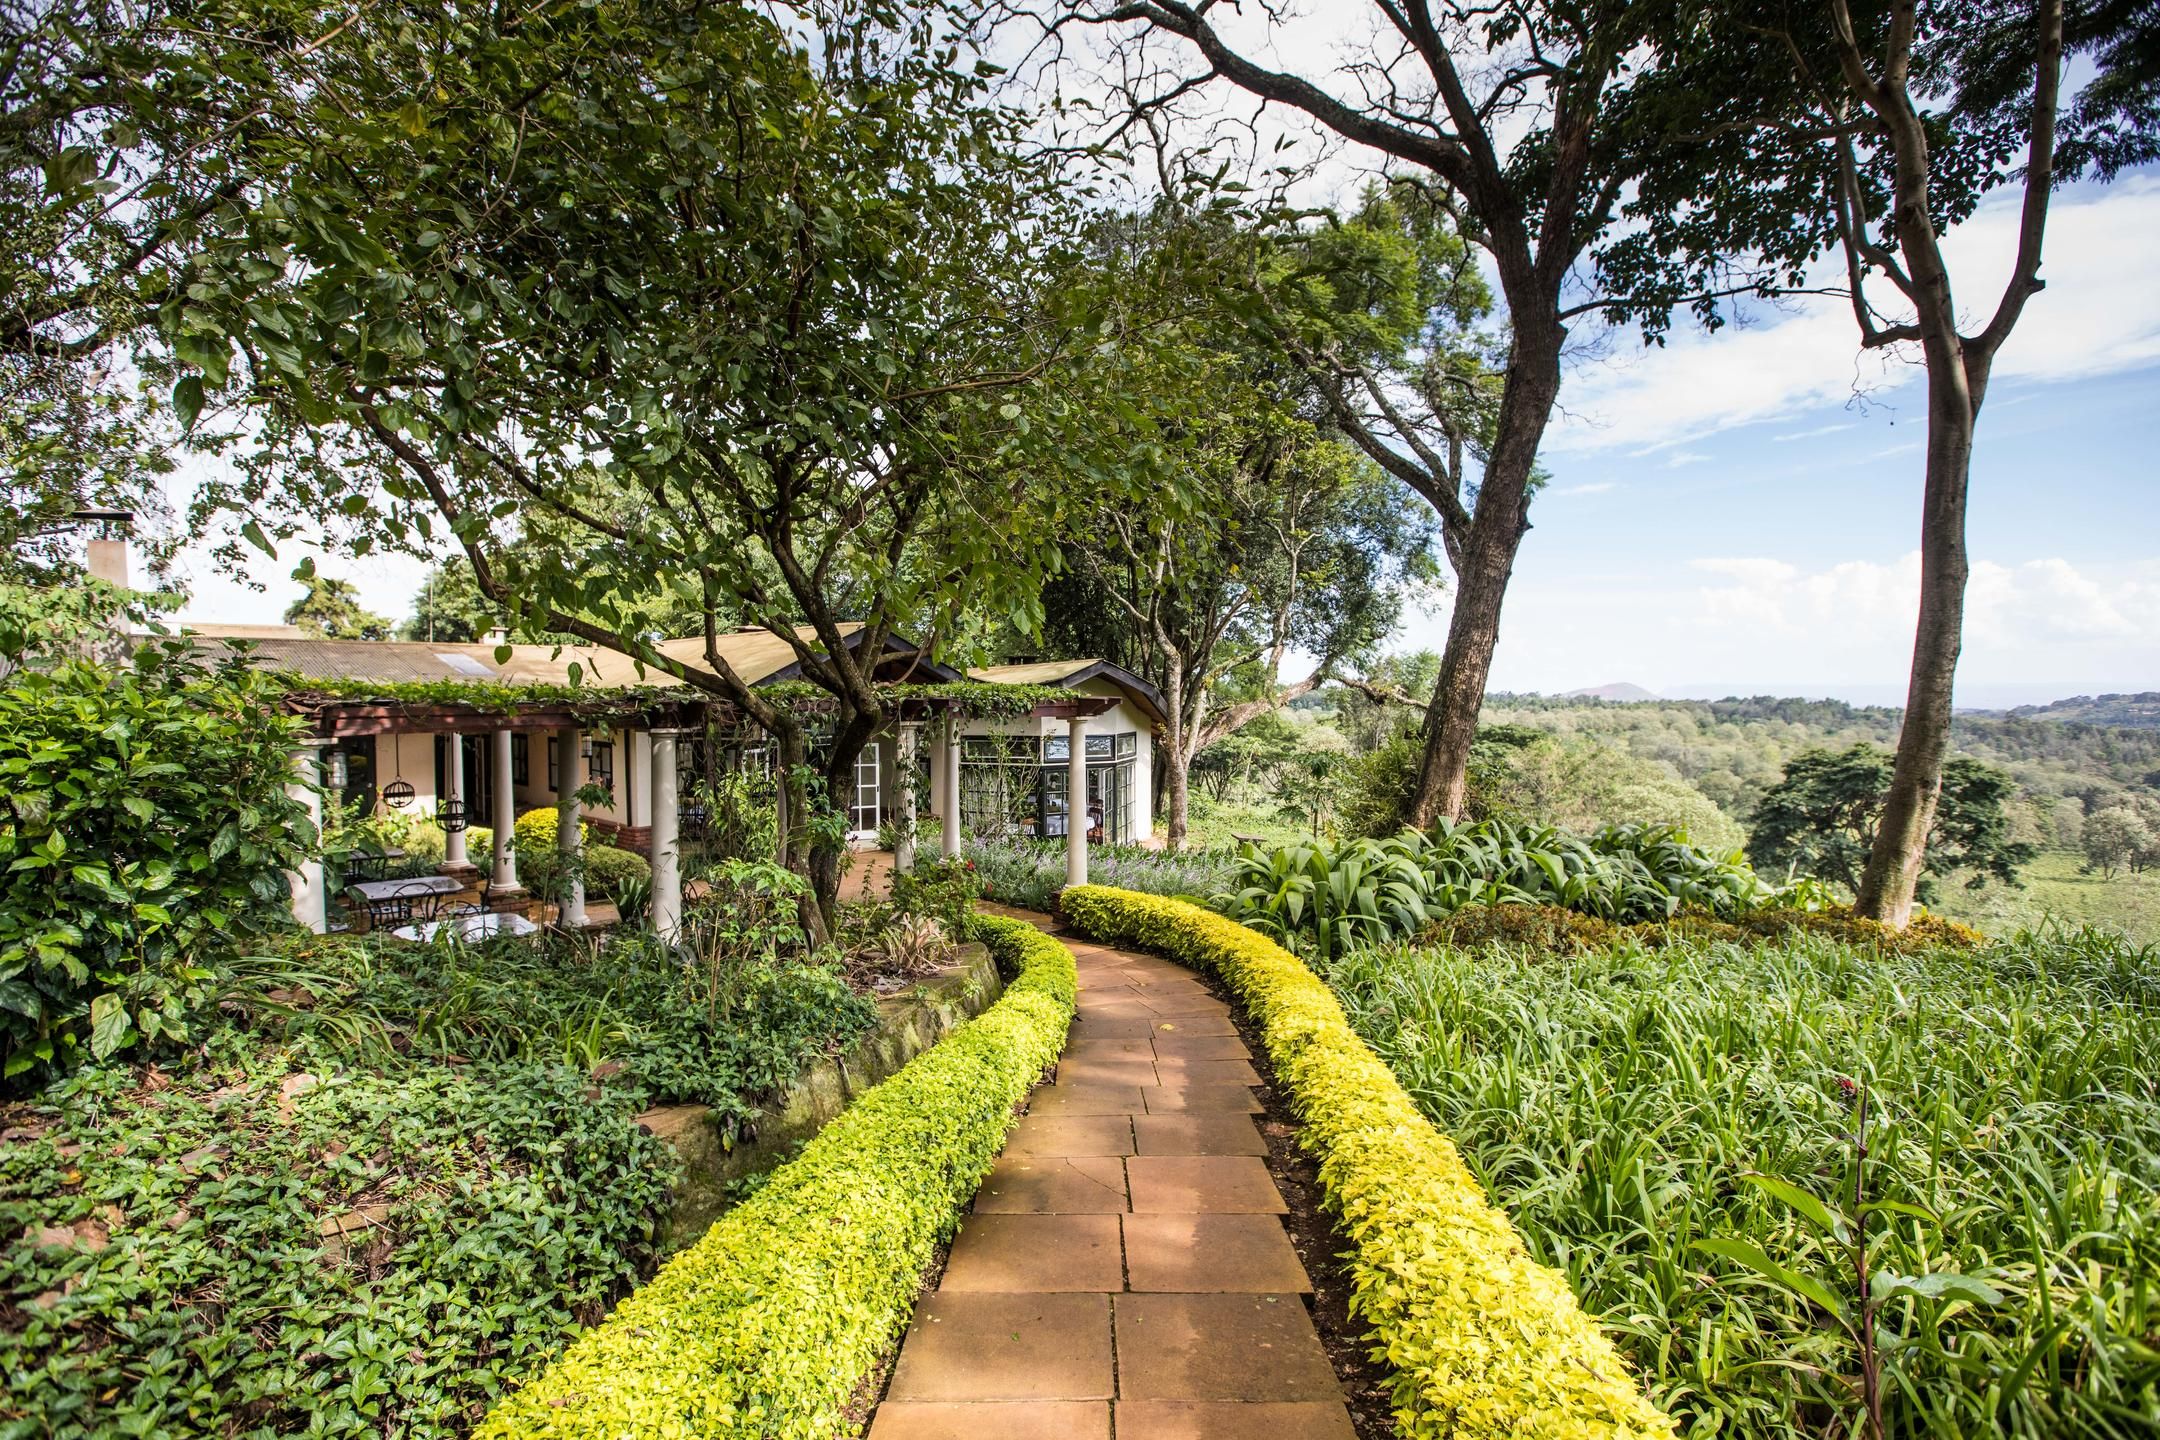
point(1619, 691)
point(2140, 711)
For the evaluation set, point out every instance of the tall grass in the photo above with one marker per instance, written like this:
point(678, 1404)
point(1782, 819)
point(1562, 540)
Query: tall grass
point(1631, 1105)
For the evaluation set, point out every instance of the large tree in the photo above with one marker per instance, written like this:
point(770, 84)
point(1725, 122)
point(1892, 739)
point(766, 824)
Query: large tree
point(1294, 544)
point(667, 298)
point(1869, 132)
point(1509, 119)
point(130, 133)
point(330, 609)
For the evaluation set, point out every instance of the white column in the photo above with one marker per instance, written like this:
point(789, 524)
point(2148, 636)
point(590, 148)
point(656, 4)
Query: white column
point(904, 762)
point(949, 807)
point(505, 877)
point(569, 820)
point(309, 899)
point(454, 792)
point(1076, 803)
point(666, 839)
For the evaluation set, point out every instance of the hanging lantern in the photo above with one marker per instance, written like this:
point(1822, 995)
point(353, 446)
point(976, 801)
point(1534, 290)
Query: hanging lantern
point(450, 814)
point(335, 774)
point(398, 794)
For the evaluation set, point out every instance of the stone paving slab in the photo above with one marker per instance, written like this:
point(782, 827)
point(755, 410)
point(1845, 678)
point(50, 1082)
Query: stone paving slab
point(1228, 1420)
point(1087, 1100)
point(1202, 1185)
point(1075, 1135)
point(1206, 1072)
point(1179, 1099)
point(1202, 1133)
point(1124, 1270)
point(1194, 1253)
point(1219, 1347)
point(1192, 1025)
point(1034, 1253)
point(1006, 1347)
point(1052, 1185)
point(1003, 1419)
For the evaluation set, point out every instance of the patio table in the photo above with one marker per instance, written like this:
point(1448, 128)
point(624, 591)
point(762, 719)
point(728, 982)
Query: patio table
point(481, 926)
point(412, 885)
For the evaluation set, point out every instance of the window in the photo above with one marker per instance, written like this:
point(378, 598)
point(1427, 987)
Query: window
point(1128, 745)
point(601, 767)
point(554, 766)
point(520, 760)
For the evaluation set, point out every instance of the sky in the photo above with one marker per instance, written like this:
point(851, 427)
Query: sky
point(1738, 512)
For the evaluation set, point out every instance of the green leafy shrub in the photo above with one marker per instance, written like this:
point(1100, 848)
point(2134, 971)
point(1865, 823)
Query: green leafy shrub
point(1675, 1126)
point(1480, 1339)
point(768, 1324)
point(442, 1110)
point(1333, 898)
point(144, 836)
point(607, 868)
point(1029, 873)
point(941, 890)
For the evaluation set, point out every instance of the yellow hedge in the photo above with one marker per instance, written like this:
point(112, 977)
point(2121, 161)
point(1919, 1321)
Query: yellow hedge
point(1483, 1340)
point(767, 1324)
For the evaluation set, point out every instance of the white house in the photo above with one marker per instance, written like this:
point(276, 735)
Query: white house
point(485, 758)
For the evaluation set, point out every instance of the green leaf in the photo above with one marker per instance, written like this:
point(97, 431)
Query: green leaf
point(110, 1028)
point(253, 534)
point(1817, 1213)
point(187, 400)
point(1941, 1285)
point(1782, 1276)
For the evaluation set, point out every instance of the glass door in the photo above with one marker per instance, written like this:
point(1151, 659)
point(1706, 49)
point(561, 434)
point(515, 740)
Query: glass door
point(865, 808)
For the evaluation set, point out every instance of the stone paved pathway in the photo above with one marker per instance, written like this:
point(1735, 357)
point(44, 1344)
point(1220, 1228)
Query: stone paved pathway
point(1124, 1270)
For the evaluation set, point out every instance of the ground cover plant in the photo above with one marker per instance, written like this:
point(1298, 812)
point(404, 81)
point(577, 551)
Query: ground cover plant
point(390, 1181)
point(1029, 873)
point(1701, 1186)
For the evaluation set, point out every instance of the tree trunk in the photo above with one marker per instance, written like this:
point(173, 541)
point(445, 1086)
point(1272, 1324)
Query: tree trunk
point(1177, 764)
point(1887, 885)
point(1481, 580)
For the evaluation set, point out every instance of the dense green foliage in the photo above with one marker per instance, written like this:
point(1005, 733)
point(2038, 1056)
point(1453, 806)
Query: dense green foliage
point(2012, 1129)
point(145, 838)
point(1029, 873)
point(1821, 819)
point(1331, 898)
point(768, 1324)
point(1734, 750)
point(1480, 1339)
point(398, 1180)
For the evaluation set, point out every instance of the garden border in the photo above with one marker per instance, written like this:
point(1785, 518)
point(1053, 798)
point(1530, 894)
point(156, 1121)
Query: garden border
point(766, 1325)
point(1480, 1339)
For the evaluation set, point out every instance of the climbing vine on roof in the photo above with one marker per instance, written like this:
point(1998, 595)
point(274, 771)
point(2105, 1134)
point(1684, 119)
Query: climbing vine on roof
point(972, 699)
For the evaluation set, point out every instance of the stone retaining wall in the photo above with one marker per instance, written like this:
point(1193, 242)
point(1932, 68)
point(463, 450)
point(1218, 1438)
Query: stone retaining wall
point(908, 1023)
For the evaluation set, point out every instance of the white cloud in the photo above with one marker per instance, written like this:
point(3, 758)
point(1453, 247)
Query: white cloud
point(1595, 487)
point(2099, 314)
point(1818, 431)
point(1680, 458)
point(2035, 629)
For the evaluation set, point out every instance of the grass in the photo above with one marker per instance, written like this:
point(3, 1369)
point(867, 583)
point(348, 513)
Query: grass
point(2054, 889)
point(1619, 1103)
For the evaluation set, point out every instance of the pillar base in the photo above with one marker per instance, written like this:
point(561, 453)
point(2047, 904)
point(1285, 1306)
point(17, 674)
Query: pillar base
point(514, 901)
point(463, 870)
